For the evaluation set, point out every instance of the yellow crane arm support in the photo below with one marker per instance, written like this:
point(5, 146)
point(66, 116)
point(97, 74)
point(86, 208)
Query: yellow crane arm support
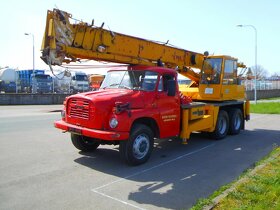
point(66, 42)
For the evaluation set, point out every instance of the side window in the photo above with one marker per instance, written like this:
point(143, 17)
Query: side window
point(162, 86)
point(148, 82)
point(230, 72)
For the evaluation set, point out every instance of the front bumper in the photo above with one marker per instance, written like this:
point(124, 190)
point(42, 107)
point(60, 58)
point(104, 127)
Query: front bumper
point(98, 134)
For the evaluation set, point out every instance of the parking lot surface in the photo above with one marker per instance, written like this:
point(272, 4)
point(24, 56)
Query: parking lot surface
point(41, 169)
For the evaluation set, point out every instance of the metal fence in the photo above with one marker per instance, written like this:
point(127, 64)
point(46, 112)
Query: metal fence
point(262, 84)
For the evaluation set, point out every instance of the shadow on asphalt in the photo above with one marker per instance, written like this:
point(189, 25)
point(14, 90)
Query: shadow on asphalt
point(177, 175)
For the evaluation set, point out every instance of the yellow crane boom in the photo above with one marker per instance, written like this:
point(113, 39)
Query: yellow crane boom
point(65, 42)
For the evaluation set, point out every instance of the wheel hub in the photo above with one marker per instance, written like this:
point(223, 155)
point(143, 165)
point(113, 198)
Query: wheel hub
point(222, 125)
point(237, 123)
point(141, 146)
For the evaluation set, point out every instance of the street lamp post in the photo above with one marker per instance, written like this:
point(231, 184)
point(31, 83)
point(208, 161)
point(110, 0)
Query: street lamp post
point(27, 34)
point(33, 68)
point(256, 50)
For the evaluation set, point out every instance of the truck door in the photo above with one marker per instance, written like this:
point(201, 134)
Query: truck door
point(168, 107)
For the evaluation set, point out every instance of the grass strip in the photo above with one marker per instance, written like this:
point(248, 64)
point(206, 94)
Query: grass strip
point(265, 108)
point(257, 188)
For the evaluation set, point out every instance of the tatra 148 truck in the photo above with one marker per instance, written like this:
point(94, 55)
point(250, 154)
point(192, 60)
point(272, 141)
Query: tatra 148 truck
point(141, 102)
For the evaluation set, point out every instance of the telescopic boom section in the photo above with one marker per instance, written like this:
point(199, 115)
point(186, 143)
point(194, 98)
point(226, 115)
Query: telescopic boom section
point(65, 42)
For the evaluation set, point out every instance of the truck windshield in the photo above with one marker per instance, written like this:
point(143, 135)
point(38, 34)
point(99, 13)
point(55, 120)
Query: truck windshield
point(135, 79)
point(211, 71)
point(81, 78)
point(42, 76)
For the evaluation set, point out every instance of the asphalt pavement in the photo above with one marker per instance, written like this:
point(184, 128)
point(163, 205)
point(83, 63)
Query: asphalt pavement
point(41, 169)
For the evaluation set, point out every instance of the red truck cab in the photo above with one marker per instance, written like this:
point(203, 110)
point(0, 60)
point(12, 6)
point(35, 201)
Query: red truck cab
point(132, 107)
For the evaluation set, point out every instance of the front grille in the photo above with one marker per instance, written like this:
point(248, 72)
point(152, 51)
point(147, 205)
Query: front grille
point(79, 108)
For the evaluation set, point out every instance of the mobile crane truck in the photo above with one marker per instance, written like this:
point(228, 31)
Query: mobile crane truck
point(141, 102)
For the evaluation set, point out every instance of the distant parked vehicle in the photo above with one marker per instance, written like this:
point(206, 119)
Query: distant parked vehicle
point(62, 83)
point(95, 81)
point(79, 82)
point(35, 81)
point(8, 80)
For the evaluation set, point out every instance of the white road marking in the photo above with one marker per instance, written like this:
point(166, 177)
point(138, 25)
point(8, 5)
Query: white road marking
point(154, 167)
point(96, 190)
point(116, 199)
point(188, 177)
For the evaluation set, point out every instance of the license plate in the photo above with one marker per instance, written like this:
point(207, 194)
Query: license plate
point(75, 130)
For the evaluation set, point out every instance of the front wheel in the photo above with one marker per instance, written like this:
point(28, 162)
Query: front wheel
point(83, 143)
point(222, 126)
point(138, 148)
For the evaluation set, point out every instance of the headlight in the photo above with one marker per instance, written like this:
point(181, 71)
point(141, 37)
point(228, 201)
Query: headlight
point(63, 114)
point(113, 123)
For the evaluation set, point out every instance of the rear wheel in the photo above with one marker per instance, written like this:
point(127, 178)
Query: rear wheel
point(222, 126)
point(235, 121)
point(84, 143)
point(138, 148)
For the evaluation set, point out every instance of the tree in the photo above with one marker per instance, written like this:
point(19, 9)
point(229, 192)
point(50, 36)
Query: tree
point(262, 73)
point(275, 76)
point(249, 74)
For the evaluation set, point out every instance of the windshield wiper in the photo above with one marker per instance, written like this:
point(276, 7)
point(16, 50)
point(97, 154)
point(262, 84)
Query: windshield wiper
point(125, 87)
point(114, 84)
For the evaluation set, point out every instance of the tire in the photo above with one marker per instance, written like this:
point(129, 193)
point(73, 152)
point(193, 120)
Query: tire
point(222, 126)
point(138, 148)
point(236, 121)
point(83, 143)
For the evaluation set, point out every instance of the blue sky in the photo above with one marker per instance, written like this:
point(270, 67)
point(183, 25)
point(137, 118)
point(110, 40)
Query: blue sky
point(193, 25)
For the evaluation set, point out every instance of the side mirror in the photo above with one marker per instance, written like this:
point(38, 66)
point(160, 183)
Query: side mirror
point(171, 87)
